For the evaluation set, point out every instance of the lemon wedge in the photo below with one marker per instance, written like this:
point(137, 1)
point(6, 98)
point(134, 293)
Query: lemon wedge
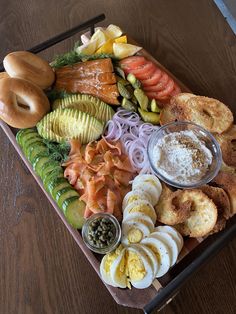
point(88, 48)
point(124, 50)
point(108, 46)
point(100, 37)
point(113, 31)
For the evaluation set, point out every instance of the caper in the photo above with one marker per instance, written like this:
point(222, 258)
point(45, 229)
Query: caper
point(110, 234)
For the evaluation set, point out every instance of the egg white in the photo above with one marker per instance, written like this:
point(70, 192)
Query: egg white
point(152, 257)
point(118, 277)
point(137, 207)
point(106, 276)
point(144, 226)
point(138, 194)
point(149, 184)
point(163, 254)
point(174, 233)
point(149, 276)
point(170, 243)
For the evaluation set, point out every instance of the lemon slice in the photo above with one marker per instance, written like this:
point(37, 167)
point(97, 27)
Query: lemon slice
point(113, 31)
point(122, 40)
point(88, 48)
point(125, 50)
point(100, 37)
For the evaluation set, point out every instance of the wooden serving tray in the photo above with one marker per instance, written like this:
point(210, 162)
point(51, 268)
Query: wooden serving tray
point(194, 253)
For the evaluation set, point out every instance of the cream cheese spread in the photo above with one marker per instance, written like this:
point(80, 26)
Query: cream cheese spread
point(182, 157)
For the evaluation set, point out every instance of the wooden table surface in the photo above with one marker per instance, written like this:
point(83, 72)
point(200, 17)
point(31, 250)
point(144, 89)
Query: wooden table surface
point(41, 268)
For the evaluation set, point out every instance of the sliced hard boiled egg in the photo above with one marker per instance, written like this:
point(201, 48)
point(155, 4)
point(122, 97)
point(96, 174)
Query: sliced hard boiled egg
point(106, 263)
point(138, 267)
point(152, 257)
point(170, 243)
point(117, 271)
point(149, 184)
point(141, 206)
point(162, 253)
point(174, 233)
point(134, 230)
point(134, 196)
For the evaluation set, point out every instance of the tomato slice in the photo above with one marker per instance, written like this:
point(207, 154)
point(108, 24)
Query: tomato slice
point(144, 71)
point(160, 85)
point(175, 91)
point(154, 79)
point(167, 90)
point(131, 63)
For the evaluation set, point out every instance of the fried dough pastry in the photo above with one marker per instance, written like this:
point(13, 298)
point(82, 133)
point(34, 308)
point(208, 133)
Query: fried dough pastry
point(227, 181)
point(226, 168)
point(221, 200)
point(169, 209)
point(210, 113)
point(227, 143)
point(203, 214)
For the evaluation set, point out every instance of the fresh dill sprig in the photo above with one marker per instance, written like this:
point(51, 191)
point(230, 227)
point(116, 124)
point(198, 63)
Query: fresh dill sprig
point(57, 151)
point(54, 94)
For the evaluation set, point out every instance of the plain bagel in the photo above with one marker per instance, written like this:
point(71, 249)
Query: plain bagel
point(22, 103)
point(28, 66)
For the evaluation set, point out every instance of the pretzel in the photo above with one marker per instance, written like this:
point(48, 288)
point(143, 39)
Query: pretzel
point(22, 103)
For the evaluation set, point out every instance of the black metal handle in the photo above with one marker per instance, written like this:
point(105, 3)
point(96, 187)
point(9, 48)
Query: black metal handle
point(56, 39)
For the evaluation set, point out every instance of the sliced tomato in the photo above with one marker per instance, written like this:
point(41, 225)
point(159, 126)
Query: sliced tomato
point(167, 90)
point(160, 85)
point(154, 79)
point(134, 62)
point(144, 70)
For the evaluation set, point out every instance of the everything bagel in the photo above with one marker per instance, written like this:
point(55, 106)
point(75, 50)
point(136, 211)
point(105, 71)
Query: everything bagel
point(22, 103)
point(28, 66)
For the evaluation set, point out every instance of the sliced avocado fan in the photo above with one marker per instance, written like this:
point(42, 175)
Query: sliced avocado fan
point(66, 124)
point(86, 103)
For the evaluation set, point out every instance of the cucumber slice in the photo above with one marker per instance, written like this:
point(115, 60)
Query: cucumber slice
point(33, 149)
point(29, 136)
point(38, 164)
point(49, 167)
point(56, 185)
point(20, 134)
point(74, 210)
point(27, 145)
point(56, 173)
point(64, 194)
point(40, 151)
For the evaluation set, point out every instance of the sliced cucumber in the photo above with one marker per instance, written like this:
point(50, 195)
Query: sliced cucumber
point(74, 210)
point(37, 152)
point(28, 145)
point(64, 194)
point(38, 164)
point(54, 174)
point(48, 167)
point(21, 134)
point(56, 185)
point(28, 137)
point(33, 149)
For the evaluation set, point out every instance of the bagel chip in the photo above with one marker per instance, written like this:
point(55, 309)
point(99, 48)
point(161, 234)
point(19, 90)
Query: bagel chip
point(203, 214)
point(221, 200)
point(210, 113)
point(227, 143)
point(227, 181)
point(169, 210)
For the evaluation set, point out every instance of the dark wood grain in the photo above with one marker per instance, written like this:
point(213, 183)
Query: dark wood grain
point(42, 269)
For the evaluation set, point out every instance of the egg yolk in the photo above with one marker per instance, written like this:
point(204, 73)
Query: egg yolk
point(111, 257)
point(155, 251)
point(143, 208)
point(135, 235)
point(133, 198)
point(135, 269)
point(151, 182)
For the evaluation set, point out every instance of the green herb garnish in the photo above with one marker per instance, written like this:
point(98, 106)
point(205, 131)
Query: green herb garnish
point(54, 94)
point(57, 151)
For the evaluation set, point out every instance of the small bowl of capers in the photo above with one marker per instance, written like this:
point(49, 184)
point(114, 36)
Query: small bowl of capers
point(101, 233)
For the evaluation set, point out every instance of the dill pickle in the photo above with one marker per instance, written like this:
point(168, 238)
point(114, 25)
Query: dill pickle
point(120, 72)
point(141, 98)
point(151, 117)
point(133, 80)
point(122, 81)
point(154, 106)
point(123, 91)
point(128, 105)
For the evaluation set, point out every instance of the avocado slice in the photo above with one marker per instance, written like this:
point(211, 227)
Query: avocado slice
point(66, 124)
point(86, 103)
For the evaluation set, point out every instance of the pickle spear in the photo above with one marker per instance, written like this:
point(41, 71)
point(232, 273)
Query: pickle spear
point(151, 117)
